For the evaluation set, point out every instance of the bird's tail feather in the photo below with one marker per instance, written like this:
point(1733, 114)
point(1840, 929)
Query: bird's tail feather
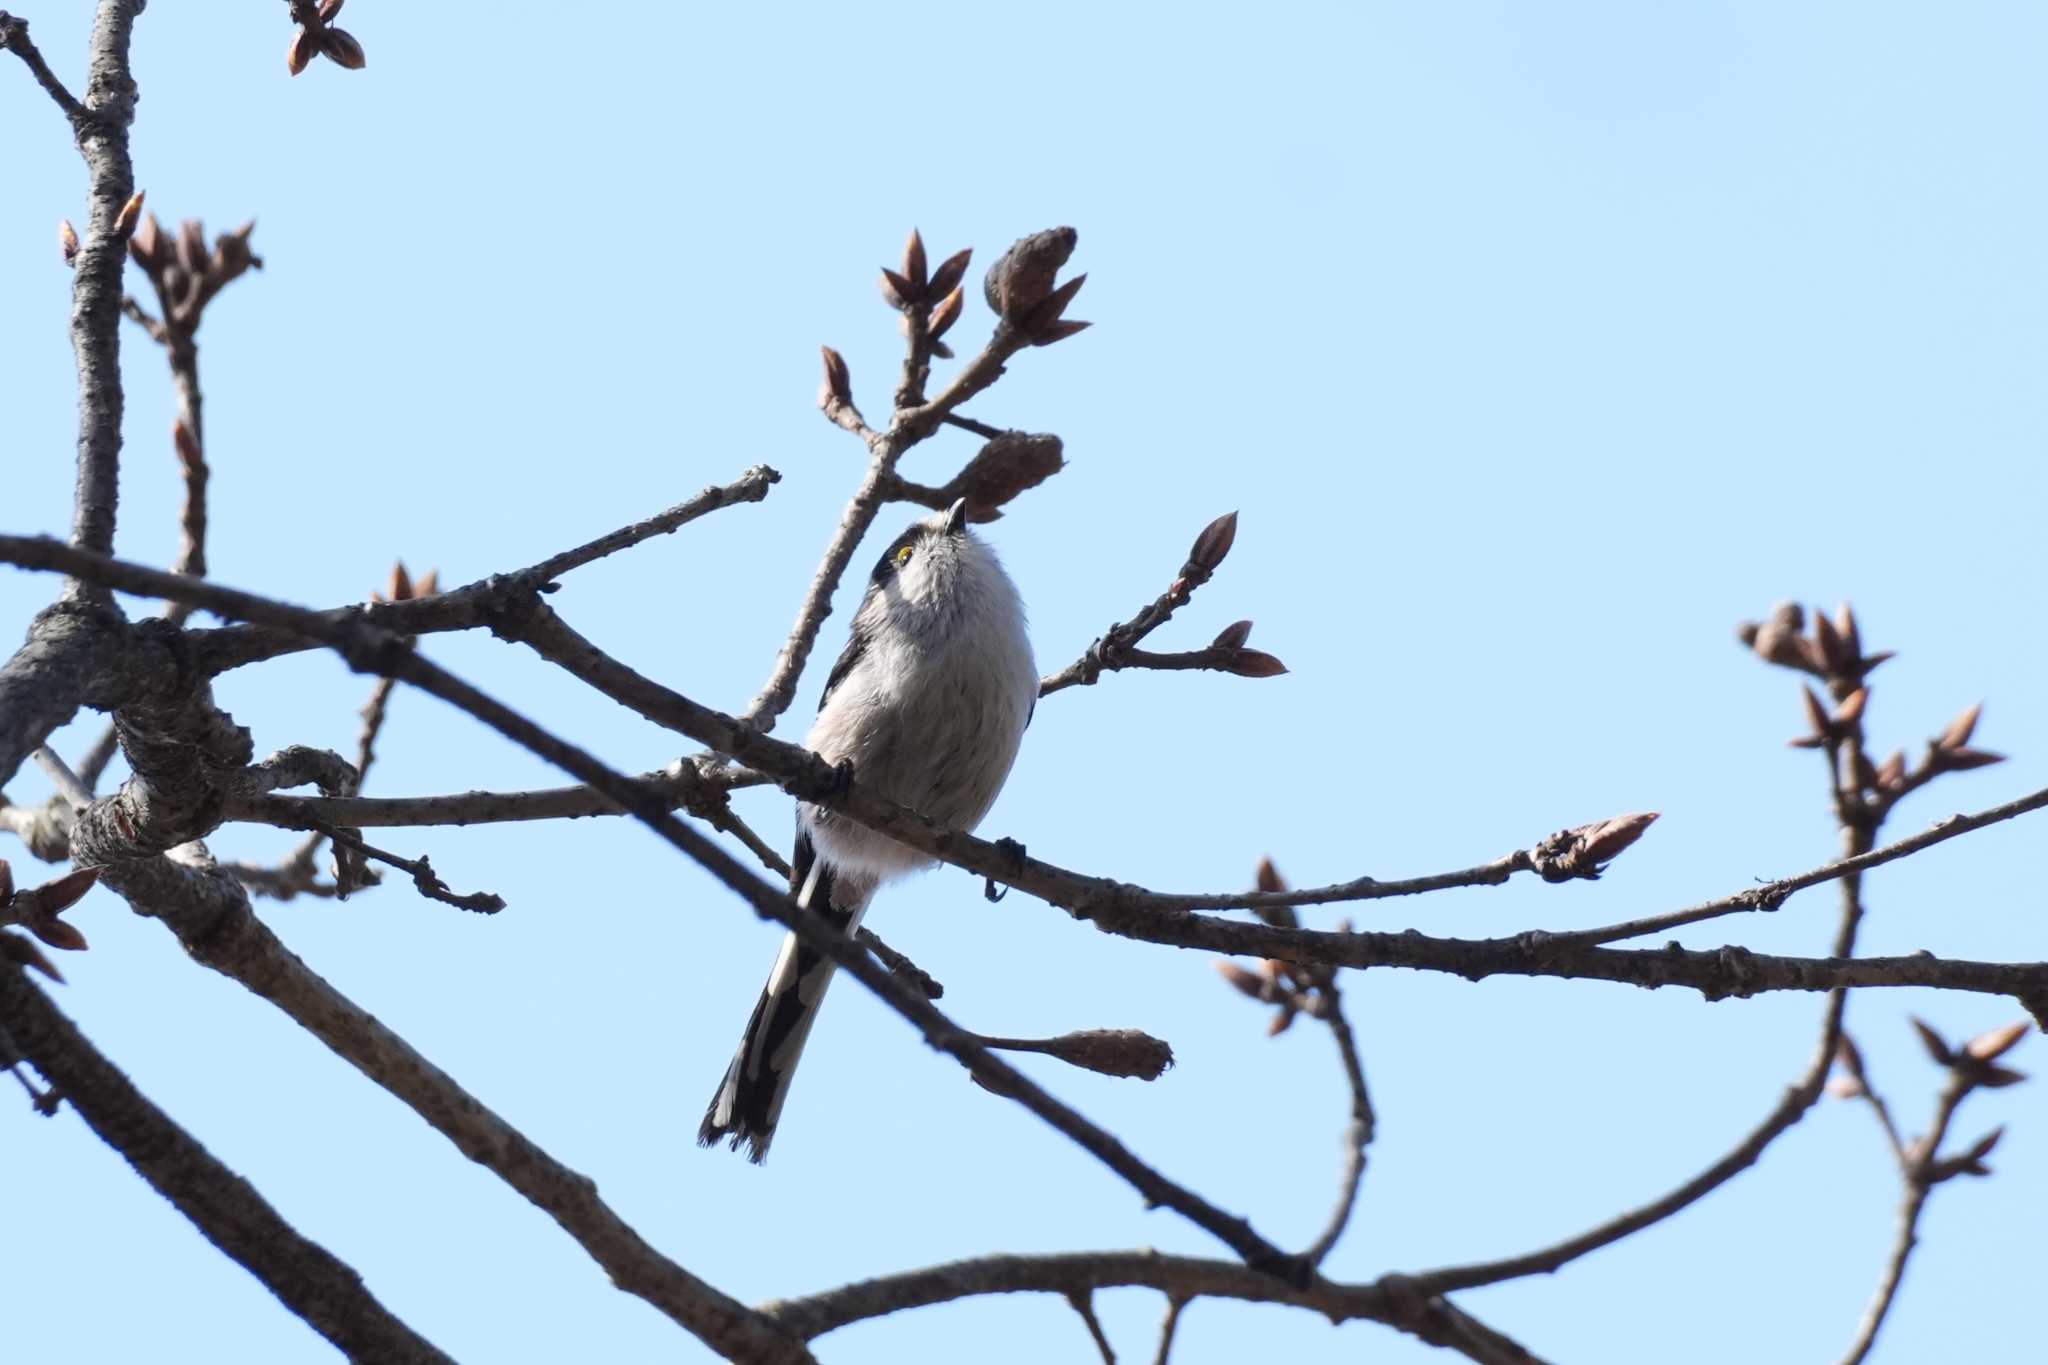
point(749, 1101)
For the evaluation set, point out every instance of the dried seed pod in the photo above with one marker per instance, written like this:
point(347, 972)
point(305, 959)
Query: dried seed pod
point(1112, 1052)
point(1022, 277)
point(1006, 466)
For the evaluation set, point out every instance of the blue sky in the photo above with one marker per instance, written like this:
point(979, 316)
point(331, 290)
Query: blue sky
point(1536, 347)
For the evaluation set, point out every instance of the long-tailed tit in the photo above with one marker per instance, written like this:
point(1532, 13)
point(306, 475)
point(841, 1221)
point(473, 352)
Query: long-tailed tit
point(928, 702)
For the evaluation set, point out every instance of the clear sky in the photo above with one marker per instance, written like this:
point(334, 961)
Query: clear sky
point(1537, 346)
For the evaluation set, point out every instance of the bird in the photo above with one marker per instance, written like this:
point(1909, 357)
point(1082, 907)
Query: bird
point(928, 704)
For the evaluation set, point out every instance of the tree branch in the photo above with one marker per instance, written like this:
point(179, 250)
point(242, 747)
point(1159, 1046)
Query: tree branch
point(96, 283)
point(14, 37)
point(310, 1280)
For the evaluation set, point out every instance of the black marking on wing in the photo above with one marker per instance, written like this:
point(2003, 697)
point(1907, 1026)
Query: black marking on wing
point(856, 645)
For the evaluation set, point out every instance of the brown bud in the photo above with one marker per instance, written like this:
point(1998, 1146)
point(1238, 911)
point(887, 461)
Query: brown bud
point(1268, 877)
point(1962, 760)
point(1112, 1052)
point(22, 952)
point(1937, 1047)
point(429, 583)
point(913, 261)
point(1961, 728)
point(67, 240)
point(192, 246)
point(1232, 636)
point(131, 213)
point(1989, 1047)
point(898, 292)
point(1254, 663)
point(1060, 331)
point(58, 934)
point(56, 896)
point(399, 587)
point(1006, 466)
point(1892, 772)
point(1816, 713)
point(1044, 314)
point(1981, 1148)
point(1871, 661)
point(187, 445)
point(1824, 635)
point(1584, 851)
point(1997, 1077)
point(1214, 542)
point(305, 46)
point(838, 383)
point(231, 254)
point(1246, 982)
point(6, 882)
point(1845, 626)
point(1866, 771)
point(950, 273)
point(1848, 1056)
point(947, 313)
point(342, 49)
point(1022, 277)
point(328, 9)
point(1851, 709)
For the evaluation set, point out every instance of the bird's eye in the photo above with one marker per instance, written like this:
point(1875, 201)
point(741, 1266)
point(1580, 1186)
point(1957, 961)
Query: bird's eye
point(903, 555)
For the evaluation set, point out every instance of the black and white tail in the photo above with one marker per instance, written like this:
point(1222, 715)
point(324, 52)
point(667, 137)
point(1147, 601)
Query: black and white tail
point(749, 1100)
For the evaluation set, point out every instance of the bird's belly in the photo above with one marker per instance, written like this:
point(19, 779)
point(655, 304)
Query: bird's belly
point(941, 742)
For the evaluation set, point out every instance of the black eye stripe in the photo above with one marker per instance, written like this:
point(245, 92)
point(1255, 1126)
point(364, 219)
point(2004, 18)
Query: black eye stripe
point(887, 564)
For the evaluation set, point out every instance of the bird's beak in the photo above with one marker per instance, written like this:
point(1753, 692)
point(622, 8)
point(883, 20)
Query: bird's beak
point(956, 517)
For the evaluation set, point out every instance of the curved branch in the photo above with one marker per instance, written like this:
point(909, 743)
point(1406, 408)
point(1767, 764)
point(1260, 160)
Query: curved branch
point(309, 1279)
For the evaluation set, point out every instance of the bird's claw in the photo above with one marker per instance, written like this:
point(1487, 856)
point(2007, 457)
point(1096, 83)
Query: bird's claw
point(1015, 851)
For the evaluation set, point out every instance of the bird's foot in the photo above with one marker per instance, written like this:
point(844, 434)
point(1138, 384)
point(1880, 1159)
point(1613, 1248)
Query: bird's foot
point(1015, 851)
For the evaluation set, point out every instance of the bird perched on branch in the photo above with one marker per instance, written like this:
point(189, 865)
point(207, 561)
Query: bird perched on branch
point(928, 703)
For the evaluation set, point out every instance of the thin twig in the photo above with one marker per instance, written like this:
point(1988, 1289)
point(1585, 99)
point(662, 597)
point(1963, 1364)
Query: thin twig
point(14, 37)
point(1176, 1304)
point(919, 980)
point(1084, 1304)
point(1358, 1133)
point(424, 878)
point(67, 782)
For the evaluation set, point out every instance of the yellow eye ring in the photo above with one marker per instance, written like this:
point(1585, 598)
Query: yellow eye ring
point(903, 555)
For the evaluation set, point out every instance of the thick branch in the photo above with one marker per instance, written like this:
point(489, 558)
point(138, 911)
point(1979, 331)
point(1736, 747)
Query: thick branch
point(210, 915)
point(310, 1280)
point(96, 282)
point(1392, 1301)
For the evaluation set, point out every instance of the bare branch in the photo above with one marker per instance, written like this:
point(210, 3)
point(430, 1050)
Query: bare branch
point(424, 878)
point(1084, 1304)
point(1117, 647)
point(14, 37)
point(1393, 1300)
point(310, 1280)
